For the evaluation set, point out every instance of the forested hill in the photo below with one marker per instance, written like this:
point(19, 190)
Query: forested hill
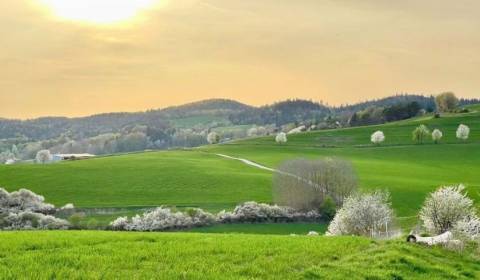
point(50, 127)
point(207, 114)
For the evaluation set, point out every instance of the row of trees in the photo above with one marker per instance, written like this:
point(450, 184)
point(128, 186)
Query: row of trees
point(421, 133)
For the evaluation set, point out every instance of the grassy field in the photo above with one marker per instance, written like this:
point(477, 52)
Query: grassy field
point(282, 229)
point(112, 255)
point(180, 178)
point(200, 178)
point(127, 184)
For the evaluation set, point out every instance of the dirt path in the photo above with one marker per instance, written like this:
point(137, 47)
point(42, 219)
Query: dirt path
point(249, 162)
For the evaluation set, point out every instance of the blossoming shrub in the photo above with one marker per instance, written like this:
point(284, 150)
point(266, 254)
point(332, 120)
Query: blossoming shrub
point(162, 218)
point(468, 229)
point(444, 208)
point(367, 214)
point(24, 200)
point(281, 138)
point(377, 137)
point(253, 212)
point(29, 220)
point(437, 135)
point(463, 132)
point(24, 209)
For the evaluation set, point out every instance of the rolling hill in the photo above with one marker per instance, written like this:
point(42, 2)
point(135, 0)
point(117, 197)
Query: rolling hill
point(198, 177)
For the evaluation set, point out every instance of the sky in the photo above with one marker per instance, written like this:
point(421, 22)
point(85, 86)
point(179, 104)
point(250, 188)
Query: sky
point(65, 58)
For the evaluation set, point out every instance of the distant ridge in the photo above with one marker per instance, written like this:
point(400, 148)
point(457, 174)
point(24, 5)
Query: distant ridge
point(293, 110)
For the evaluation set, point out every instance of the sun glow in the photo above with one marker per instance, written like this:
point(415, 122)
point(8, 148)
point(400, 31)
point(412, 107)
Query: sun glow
point(98, 11)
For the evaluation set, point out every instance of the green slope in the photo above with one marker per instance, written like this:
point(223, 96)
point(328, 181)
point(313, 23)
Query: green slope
point(182, 178)
point(200, 178)
point(112, 255)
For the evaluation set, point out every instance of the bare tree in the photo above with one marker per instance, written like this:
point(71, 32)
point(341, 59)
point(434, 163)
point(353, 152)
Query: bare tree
point(304, 184)
point(446, 102)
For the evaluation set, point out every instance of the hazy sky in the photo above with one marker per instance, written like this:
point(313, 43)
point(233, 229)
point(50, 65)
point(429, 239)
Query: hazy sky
point(254, 51)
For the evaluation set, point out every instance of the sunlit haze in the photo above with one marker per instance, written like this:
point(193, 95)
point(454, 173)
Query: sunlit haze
point(97, 11)
point(80, 57)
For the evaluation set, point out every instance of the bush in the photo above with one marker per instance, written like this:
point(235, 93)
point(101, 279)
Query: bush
point(304, 184)
point(444, 208)
point(377, 137)
point(253, 212)
point(328, 208)
point(161, 219)
point(24, 209)
point(213, 138)
point(29, 220)
point(420, 133)
point(468, 229)
point(281, 138)
point(437, 136)
point(463, 132)
point(24, 200)
point(43, 156)
point(76, 220)
point(365, 215)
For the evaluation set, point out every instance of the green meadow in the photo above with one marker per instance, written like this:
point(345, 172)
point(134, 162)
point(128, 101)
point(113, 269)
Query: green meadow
point(200, 178)
point(128, 184)
point(115, 255)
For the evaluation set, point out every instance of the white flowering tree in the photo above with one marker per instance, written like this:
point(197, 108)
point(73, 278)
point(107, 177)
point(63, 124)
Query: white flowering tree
point(420, 133)
point(365, 215)
point(43, 156)
point(213, 138)
point(437, 136)
point(252, 132)
point(468, 229)
point(444, 208)
point(377, 137)
point(463, 132)
point(281, 138)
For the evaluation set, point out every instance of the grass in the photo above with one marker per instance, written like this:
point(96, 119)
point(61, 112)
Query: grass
point(113, 255)
point(179, 178)
point(199, 178)
point(124, 185)
point(278, 229)
point(408, 170)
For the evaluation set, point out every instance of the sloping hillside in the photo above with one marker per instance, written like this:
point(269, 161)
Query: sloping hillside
point(201, 178)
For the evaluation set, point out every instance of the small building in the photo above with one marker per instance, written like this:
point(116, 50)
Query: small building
point(62, 157)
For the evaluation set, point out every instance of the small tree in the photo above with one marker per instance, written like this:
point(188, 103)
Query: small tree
point(377, 137)
point(463, 132)
point(305, 184)
point(437, 136)
point(365, 215)
point(43, 156)
point(281, 138)
point(444, 208)
point(213, 138)
point(446, 102)
point(420, 133)
point(252, 132)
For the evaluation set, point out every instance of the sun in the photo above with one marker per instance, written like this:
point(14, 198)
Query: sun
point(98, 11)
